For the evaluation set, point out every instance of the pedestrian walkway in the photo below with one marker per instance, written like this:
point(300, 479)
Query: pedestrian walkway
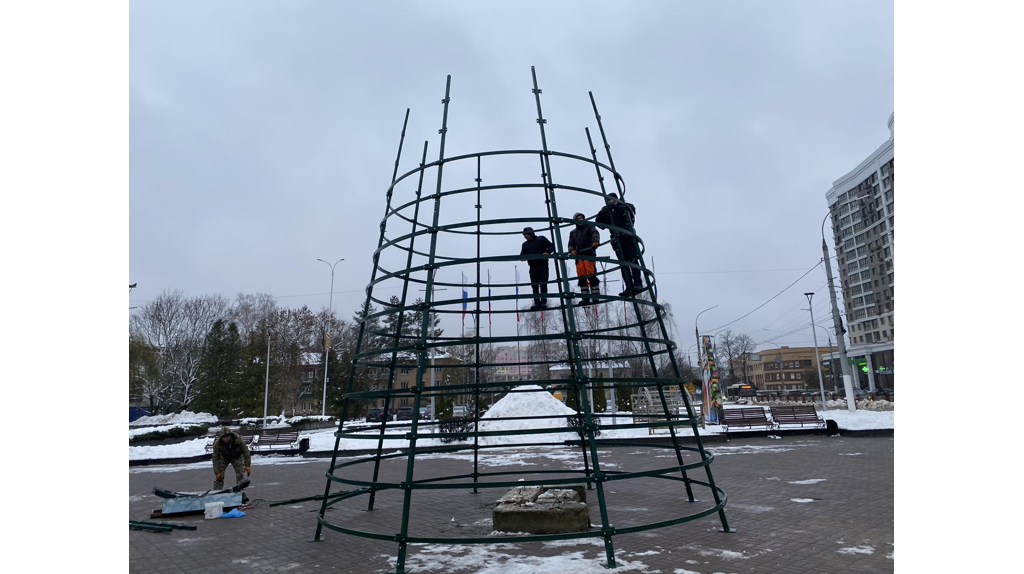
point(800, 504)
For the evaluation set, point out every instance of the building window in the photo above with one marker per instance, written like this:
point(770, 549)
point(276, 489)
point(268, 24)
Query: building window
point(405, 370)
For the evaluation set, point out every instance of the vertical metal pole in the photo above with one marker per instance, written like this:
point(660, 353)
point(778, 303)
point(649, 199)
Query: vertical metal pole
point(476, 340)
point(345, 401)
point(837, 320)
point(519, 344)
point(327, 351)
point(664, 331)
point(396, 340)
point(266, 387)
point(817, 356)
point(571, 332)
point(411, 460)
point(639, 314)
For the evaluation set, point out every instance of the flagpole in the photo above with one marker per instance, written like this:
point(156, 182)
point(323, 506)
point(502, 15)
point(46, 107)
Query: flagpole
point(519, 345)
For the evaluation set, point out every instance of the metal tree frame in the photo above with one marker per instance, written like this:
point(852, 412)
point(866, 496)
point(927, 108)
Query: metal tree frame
point(657, 350)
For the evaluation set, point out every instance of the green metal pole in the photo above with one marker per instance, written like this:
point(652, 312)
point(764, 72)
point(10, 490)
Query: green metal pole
point(411, 462)
point(476, 339)
point(696, 435)
point(396, 341)
point(359, 343)
point(572, 335)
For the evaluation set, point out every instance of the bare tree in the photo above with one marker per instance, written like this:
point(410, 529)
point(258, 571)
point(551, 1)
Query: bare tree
point(251, 313)
point(177, 326)
point(744, 345)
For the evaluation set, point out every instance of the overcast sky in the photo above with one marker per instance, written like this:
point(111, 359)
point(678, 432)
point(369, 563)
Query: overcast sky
point(264, 134)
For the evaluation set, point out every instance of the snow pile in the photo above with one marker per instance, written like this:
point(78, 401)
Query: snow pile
point(301, 418)
point(534, 402)
point(163, 428)
point(194, 447)
point(861, 419)
point(174, 418)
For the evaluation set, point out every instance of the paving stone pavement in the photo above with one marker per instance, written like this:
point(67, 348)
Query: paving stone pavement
point(800, 505)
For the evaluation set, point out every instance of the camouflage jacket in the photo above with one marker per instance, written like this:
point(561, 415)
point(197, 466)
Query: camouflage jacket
point(225, 454)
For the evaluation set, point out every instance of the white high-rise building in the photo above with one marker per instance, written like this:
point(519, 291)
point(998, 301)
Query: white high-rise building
point(862, 206)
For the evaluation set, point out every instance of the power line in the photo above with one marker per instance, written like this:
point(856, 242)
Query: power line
point(791, 309)
point(726, 272)
point(773, 297)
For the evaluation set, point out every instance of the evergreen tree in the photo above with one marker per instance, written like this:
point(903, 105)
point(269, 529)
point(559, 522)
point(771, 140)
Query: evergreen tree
point(219, 369)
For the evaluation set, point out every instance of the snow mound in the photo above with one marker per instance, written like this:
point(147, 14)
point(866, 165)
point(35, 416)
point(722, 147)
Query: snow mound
point(174, 419)
point(535, 401)
point(162, 428)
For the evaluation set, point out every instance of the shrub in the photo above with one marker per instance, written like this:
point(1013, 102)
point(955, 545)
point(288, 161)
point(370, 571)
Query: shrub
point(579, 420)
point(454, 426)
point(176, 432)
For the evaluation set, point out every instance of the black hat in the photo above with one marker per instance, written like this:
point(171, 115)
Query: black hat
point(578, 215)
point(613, 195)
point(528, 231)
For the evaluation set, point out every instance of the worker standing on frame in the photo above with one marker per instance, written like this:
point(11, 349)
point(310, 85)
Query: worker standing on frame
point(584, 240)
point(536, 245)
point(622, 215)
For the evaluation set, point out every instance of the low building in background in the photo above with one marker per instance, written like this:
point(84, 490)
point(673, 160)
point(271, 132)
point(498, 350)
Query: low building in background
point(788, 368)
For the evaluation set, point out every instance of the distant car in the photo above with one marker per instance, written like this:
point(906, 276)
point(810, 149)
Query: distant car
point(459, 412)
point(858, 393)
point(881, 393)
point(425, 414)
point(405, 414)
point(375, 416)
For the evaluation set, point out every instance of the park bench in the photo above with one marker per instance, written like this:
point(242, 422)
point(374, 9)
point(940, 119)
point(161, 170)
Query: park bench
point(797, 415)
point(247, 438)
point(287, 438)
point(647, 407)
point(746, 417)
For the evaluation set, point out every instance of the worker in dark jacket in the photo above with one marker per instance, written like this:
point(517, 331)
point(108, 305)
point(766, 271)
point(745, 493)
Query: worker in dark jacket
point(584, 241)
point(230, 448)
point(535, 245)
point(622, 215)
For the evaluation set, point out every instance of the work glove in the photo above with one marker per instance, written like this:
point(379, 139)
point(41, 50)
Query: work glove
point(572, 252)
point(595, 244)
point(247, 471)
point(220, 477)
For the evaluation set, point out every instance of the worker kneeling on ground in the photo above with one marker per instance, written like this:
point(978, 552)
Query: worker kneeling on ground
point(230, 448)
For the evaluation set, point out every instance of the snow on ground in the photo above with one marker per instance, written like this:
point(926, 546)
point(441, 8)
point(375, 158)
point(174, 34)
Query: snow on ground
point(174, 418)
point(506, 559)
point(860, 419)
point(185, 449)
point(857, 550)
point(132, 432)
point(512, 405)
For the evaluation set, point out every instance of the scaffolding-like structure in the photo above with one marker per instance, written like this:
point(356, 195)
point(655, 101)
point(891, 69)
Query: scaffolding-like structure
point(406, 225)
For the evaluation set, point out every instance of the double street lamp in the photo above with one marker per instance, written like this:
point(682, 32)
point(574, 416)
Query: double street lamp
point(330, 315)
point(817, 357)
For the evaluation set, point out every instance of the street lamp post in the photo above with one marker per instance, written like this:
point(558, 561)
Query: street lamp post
point(817, 357)
point(837, 321)
point(266, 388)
point(330, 313)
